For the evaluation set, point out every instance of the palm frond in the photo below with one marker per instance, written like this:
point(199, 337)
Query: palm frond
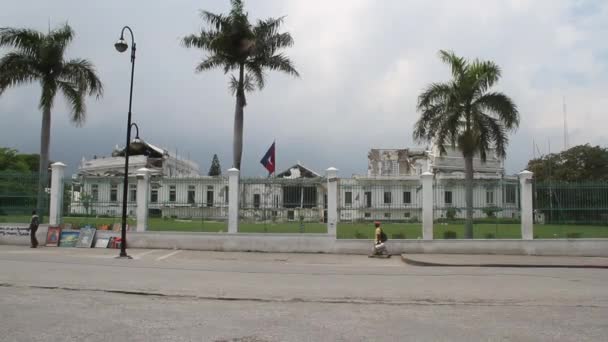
point(485, 74)
point(81, 73)
point(500, 105)
point(213, 62)
point(256, 73)
point(47, 97)
point(457, 64)
point(280, 62)
point(25, 40)
point(217, 21)
point(62, 36)
point(75, 97)
point(203, 40)
point(17, 68)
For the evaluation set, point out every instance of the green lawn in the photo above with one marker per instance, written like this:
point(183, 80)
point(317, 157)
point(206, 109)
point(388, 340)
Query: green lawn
point(348, 230)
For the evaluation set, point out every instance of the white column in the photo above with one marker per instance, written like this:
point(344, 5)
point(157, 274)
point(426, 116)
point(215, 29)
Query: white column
point(233, 201)
point(57, 173)
point(143, 190)
point(427, 205)
point(525, 197)
point(332, 200)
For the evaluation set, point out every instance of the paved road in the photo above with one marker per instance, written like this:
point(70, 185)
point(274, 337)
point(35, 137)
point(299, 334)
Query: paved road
point(55, 294)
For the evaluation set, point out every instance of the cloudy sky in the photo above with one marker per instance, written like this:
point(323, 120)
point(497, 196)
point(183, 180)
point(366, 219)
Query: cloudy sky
point(362, 65)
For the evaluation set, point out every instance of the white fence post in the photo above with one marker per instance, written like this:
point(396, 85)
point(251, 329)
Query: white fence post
point(332, 201)
point(57, 173)
point(143, 185)
point(233, 201)
point(525, 197)
point(427, 205)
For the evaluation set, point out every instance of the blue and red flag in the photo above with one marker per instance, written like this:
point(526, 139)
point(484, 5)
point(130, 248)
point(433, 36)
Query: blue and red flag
point(268, 160)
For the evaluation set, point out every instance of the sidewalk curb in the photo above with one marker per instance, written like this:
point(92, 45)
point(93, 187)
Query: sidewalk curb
point(433, 264)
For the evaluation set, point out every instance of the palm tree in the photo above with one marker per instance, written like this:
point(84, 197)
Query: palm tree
point(39, 57)
point(234, 44)
point(465, 113)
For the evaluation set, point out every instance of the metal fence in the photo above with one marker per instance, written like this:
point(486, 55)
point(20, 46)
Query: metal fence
point(397, 203)
point(19, 196)
point(496, 208)
point(584, 203)
point(188, 204)
point(97, 201)
point(277, 205)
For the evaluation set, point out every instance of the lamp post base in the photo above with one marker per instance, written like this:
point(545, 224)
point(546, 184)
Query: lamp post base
point(124, 257)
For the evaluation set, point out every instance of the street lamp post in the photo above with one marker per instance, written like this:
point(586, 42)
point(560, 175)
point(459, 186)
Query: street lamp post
point(121, 46)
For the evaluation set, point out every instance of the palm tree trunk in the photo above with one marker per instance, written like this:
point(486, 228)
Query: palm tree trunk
point(237, 147)
point(45, 141)
point(468, 171)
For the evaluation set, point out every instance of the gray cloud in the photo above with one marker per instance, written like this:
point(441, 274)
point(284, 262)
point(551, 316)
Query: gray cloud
point(362, 62)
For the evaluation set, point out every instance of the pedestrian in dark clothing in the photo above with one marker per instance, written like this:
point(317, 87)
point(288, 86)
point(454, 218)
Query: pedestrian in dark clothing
point(33, 228)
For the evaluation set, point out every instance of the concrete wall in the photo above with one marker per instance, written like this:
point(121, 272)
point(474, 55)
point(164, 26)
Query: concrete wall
point(16, 234)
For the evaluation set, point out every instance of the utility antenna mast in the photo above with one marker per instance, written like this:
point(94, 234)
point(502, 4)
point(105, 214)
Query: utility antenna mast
point(566, 142)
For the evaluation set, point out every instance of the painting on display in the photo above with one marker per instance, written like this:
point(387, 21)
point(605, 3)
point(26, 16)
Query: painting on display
point(52, 236)
point(68, 239)
point(85, 240)
point(102, 243)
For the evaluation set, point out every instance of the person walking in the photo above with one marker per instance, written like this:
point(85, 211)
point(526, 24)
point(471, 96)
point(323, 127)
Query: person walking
point(34, 222)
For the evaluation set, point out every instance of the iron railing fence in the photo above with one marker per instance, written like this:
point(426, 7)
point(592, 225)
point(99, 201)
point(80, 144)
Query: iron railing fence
point(281, 205)
point(19, 196)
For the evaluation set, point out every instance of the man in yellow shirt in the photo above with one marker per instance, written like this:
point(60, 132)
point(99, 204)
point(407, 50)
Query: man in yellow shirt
point(380, 238)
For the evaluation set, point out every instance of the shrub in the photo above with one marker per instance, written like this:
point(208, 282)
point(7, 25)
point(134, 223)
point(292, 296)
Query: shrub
point(450, 213)
point(490, 236)
point(397, 236)
point(491, 211)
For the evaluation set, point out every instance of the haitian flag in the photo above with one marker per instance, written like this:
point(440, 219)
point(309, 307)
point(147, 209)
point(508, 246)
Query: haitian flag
point(268, 160)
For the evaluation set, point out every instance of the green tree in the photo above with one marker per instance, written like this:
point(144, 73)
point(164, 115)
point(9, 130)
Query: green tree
point(466, 114)
point(12, 160)
point(39, 57)
point(579, 163)
point(232, 43)
point(215, 169)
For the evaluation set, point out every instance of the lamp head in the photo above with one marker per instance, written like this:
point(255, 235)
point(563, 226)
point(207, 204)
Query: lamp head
point(121, 45)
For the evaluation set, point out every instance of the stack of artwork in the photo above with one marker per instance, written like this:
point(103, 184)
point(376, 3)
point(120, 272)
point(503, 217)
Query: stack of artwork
point(83, 238)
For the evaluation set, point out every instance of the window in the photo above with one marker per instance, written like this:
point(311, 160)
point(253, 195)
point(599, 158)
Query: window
point(226, 194)
point(406, 215)
point(387, 197)
point(132, 192)
point(256, 200)
point(407, 197)
point(368, 199)
point(154, 196)
point(113, 193)
point(368, 215)
point(95, 192)
point(447, 197)
point(172, 193)
point(348, 198)
point(387, 215)
point(490, 197)
point(210, 197)
point(191, 194)
point(290, 215)
point(510, 194)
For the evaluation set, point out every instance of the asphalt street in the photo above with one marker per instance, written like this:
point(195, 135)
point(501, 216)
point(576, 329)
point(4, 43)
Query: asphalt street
point(65, 294)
